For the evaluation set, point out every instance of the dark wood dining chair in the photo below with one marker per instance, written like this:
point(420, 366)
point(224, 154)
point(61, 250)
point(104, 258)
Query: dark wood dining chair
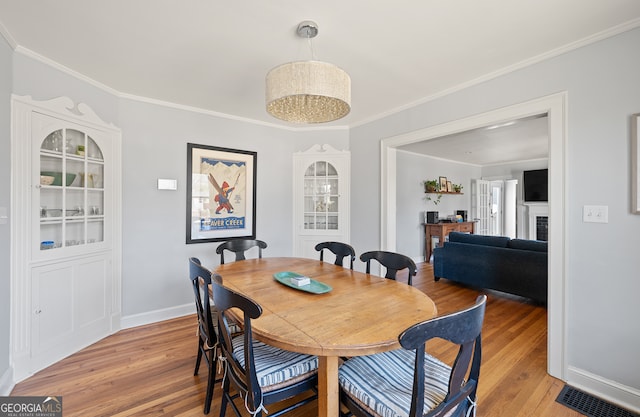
point(412, 383)
point(339, 249)
point(207, 317)
point(239, 247)
point(261, 374)
point(393, 262)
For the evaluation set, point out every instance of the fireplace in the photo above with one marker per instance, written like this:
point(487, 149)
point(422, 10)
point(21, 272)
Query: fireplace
point(542, 228)
point(538, 221)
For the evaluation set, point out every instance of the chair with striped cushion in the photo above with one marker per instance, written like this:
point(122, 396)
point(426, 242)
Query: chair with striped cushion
point(339, 249)
point(239, 247)
point(207, 338)
point(408, 382)
point(261, 374)
point(392, 261)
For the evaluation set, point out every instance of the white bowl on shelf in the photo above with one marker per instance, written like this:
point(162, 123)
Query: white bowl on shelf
point(46, 180)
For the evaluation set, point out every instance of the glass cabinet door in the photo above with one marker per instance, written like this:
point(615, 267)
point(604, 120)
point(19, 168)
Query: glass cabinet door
point(71, 190)
point(321, 197)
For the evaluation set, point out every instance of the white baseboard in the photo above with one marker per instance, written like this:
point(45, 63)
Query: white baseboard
point(6, 382)
point(614, 392)
point(156, 316)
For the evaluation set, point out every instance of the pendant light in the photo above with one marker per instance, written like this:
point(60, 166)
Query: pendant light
point(308, 91)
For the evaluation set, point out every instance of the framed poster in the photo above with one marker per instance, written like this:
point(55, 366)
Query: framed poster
point(221, 194)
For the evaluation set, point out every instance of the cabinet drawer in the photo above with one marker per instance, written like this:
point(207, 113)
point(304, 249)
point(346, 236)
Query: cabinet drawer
point(446, 229)
point(468, 227)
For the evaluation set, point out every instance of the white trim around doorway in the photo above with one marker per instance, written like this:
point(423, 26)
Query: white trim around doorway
point(555, 107)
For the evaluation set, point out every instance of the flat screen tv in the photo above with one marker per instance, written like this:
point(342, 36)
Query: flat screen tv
point(535, 185)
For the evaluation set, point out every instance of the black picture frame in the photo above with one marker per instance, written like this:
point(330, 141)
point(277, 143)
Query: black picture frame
point(221, 194)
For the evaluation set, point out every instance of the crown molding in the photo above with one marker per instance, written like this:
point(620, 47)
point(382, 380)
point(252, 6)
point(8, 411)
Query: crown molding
point(222, 115)
point(7, 36)
point(616, 30)
point(56, 65)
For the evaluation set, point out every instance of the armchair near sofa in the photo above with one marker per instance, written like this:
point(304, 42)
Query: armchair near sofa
point(514, 266)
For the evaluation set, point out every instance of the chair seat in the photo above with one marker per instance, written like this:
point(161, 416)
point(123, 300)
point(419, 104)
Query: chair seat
point(276, 367)
point(383, 383)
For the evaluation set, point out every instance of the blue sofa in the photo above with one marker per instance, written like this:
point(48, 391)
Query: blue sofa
point(514, 266)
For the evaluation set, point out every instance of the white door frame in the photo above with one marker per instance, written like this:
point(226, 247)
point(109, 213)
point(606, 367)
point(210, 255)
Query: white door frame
point(555, 106)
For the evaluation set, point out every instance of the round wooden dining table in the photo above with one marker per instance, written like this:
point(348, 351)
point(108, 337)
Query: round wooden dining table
point(361, 314)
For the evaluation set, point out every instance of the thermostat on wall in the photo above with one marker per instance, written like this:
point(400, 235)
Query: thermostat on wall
point(164, 184)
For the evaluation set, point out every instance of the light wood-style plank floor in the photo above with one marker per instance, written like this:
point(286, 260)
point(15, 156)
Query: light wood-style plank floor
point(148, 370)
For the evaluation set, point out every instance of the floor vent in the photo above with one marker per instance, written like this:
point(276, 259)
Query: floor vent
point(589, 405)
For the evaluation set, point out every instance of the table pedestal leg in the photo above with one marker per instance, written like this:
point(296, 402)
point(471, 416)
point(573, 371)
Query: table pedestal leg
point(328, 391)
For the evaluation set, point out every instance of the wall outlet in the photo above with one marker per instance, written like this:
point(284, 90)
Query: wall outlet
point(595, 214)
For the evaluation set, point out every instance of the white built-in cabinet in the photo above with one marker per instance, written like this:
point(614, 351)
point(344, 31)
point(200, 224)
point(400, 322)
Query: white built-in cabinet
point(65, 231)
point(321, 198)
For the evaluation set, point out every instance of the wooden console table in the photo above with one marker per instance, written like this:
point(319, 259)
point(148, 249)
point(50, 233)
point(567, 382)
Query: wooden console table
point(442, 230)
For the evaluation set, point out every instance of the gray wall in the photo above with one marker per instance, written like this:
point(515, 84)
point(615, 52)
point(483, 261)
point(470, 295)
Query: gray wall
point(411, 202)
point(601, 259)
point(513, 170)
point(155, 146)
point(5, 196)
point(154, 138)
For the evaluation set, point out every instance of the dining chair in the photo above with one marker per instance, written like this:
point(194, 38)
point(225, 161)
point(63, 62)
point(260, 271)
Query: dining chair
point(339, 249)
point(207, 317)
point(409, 382)
point(261, 374)
point(393, 262)
point(239, 246)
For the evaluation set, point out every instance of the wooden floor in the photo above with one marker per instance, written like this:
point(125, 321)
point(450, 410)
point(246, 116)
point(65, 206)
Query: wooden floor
point(148, 370)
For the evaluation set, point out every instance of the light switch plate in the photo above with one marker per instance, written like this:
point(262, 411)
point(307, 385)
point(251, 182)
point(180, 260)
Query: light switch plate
point(167, 184)
point(595, 214)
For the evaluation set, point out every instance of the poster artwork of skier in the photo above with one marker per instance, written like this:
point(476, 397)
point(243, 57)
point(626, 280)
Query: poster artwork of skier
point(227, 194)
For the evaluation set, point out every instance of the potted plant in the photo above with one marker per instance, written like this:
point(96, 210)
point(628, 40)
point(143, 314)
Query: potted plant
point(457, 188)
point(430, 186)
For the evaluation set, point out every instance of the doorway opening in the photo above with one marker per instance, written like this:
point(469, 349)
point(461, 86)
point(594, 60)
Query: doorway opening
point(555, 108)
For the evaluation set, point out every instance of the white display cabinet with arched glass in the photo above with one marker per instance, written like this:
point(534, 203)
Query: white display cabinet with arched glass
point(321, 198)
point(66, 231)
point(71, 190)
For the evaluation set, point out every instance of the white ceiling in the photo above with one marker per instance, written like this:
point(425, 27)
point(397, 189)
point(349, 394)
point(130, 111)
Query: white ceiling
point(214, 55)
point(515, 141)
